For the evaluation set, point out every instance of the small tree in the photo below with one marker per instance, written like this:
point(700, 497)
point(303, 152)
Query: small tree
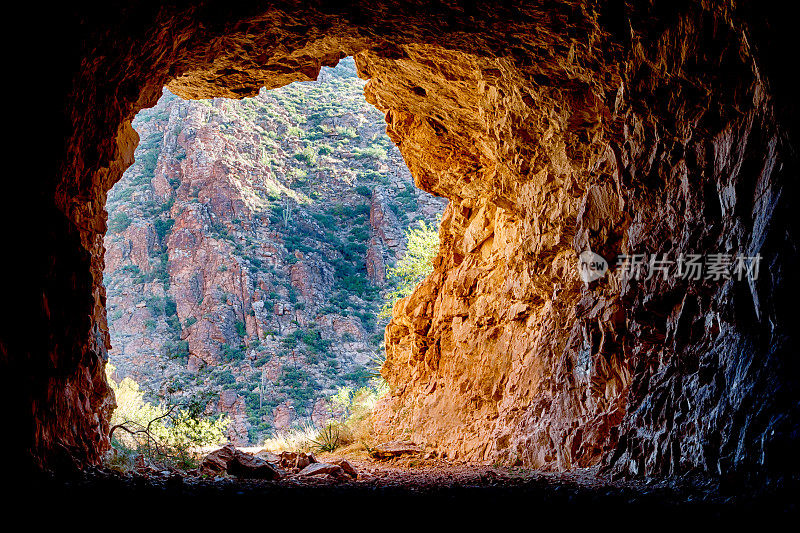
point(165, 434)
point(415, 265)
point(119, 223)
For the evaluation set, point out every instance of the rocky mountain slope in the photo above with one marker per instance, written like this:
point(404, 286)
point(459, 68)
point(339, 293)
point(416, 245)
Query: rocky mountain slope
point(248, 245)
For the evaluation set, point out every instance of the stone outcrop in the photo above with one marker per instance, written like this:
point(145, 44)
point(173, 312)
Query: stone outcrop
point(345, 465)
point(295, 461)
point(232, 461)
point(389, 450)
point(245, 465)
point(217, 461)
point(322, 469)
point(232, 405)
point(627, 127)
point(504, 353)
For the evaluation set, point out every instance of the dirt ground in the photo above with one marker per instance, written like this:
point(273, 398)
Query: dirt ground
point(413, 485)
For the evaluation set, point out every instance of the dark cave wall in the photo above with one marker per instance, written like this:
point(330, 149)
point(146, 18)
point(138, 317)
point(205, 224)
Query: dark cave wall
point(708, 167)
point(685, 102)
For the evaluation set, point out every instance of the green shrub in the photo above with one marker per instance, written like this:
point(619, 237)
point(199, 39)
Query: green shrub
point(291, 340)
point(122, 195)
point(163, 227)
point(174, 324)
point(360, 376)
point(328, 439)
point(415, 265)
point(347, 132)
point(231, 354)
point(176, 349)
point(325, 220)
point(293, 377)
point(170, 307)
point(294, 131)
point(130, 269)
point(156, 305)
point(359, 234)
point(307, 155)
point(355, 250)
point(353, 284)
point(165, 435)
point(313, 339)
point(375, 152)
point(370, 175)
point(119, 223)
point(261, 361)
point(225, 378)
point(149, 160)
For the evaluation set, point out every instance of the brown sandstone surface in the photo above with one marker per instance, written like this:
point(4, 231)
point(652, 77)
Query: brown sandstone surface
point(551, 127)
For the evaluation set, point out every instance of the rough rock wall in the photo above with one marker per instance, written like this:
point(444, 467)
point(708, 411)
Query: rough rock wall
point(501, 355)
point(504, 354)
point(707, 167)
point(551, 127)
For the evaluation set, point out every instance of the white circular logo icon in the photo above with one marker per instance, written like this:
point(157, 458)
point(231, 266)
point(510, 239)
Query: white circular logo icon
point(591, 266)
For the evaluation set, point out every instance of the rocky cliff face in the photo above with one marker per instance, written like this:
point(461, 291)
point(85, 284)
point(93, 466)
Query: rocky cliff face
point(505, 354)
point(624, 127)
point(248, 245)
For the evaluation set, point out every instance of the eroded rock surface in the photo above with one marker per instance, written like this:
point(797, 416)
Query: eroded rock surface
point(388, 450)
point(624, 127)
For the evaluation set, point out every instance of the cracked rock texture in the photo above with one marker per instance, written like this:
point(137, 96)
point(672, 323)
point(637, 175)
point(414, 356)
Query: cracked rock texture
point(554, 127)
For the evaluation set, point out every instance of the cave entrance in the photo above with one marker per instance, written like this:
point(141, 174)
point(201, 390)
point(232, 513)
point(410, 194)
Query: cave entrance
point(247, 253)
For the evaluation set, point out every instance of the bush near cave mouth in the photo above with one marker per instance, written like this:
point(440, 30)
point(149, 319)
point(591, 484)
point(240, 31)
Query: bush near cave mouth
point(165, 435)
point(415, 265)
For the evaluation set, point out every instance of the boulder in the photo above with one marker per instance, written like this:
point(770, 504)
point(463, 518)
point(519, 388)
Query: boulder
point(217, 461)
point(269, 457)
point(346, 466)
point(245, 465)
point(240, 464)
point(387, 450)
point(319, 469)
point(296, 460)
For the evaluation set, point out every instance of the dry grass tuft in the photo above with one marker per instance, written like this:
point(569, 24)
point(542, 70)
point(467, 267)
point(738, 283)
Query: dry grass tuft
point(353, 431)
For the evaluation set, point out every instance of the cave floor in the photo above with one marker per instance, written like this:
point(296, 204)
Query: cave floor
point(439, 484)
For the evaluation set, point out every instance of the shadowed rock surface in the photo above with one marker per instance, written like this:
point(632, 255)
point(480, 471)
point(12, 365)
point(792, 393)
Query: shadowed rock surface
point(552, 128)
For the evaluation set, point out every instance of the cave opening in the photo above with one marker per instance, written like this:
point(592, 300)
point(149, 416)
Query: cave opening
point(246, 265)
point(553, 128)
